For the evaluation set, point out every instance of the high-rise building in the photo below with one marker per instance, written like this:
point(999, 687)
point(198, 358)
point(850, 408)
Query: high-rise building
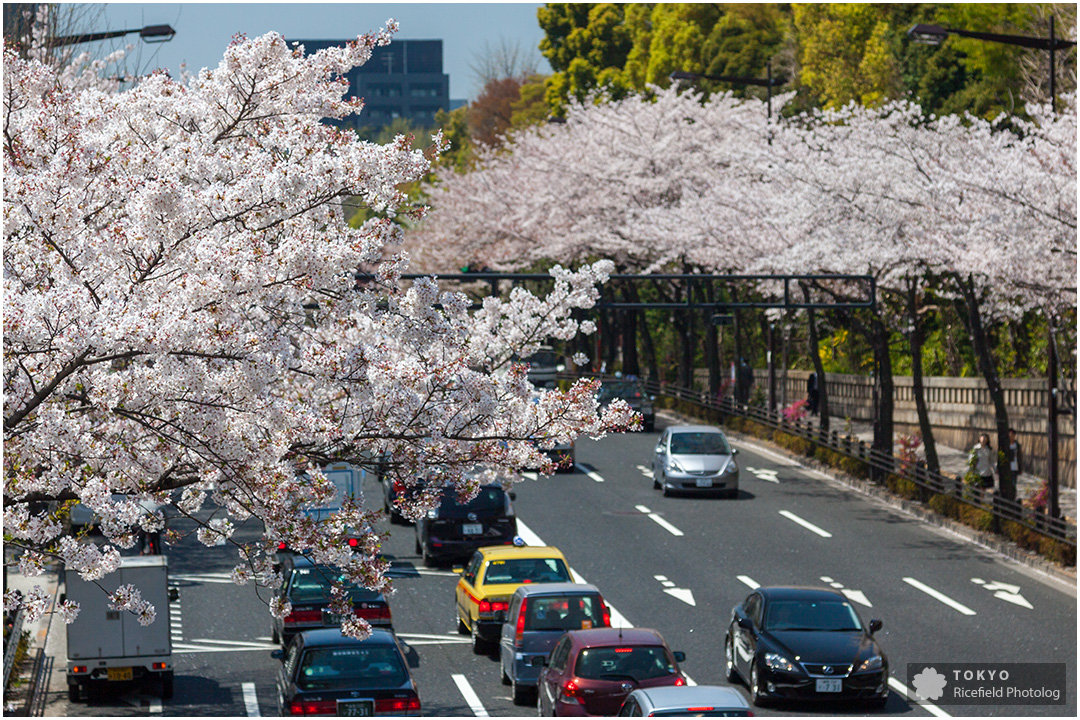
point(403, 79)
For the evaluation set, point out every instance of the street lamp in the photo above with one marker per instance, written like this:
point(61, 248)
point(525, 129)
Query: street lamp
point(767, 83)
point(935, 35)
point(150, 34)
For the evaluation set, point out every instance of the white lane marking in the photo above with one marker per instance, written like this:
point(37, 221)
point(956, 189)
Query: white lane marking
point(748, 581)
point(661, 578)
point(589, 472)
point(470, 696)
point(856, 595)
point(530, 475)
point(660, 521)
point(237, 643)
point(682, 594)
point(526, 534)
point(667, 584)
point(220, 578)
point(251, 703)
point(908, 695)
point(764, 474)
point(1006, 592)
point(647, 472)
point(939, 596)
point(184, 648)
point(806, 524)
point(422, 639)
point(826, 579)
point(155, 705)
point(617, 618)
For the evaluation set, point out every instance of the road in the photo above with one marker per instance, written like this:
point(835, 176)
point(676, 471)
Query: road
point(675, 564)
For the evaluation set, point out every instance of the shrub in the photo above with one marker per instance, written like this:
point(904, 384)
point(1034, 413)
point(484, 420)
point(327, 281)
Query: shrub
point(945, 505)
point(1057, 551)
point(794, 443)
point(902, 487)
point(976, 517)
point(854, 466)
point(796, 410)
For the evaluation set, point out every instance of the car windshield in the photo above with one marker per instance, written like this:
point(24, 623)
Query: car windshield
point(312, 585)
point(699, 443)
point(340, 668)
point(489, 501)
point(625, 390)
point(633, 662)
point(829, 615)
point(526, 570)
point(563, 612)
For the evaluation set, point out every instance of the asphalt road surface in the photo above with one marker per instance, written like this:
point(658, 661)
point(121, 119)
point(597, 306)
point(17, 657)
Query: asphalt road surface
point(676, 564)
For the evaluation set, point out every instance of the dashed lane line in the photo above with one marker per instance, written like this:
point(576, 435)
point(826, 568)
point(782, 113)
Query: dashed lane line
point(590, 473)
point(942, 597)
point(806, 524)
point(251, 702)
point(471, 698)
point(908, 695)
point(748, 581)
point(660, 521)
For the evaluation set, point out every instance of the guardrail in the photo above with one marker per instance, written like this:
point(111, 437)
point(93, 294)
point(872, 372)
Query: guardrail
point(882, 464)
point(13, 638)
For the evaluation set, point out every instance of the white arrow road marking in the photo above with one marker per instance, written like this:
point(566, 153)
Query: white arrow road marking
point(683, 594)
point(1013, 589)
point(1005, 591)
point(939, 596)
point(764, 474)
point(748, 581)
point(808, 525)
point(647, 472)
point(251, 703)
point(530, 475)
point(908, 695)
point(471, 698)
point(660, 521)
point(617, 618)
point(857, 596)
point(589, 472)
point(1014, 599)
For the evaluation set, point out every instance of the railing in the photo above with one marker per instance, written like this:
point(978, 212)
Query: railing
point(883, 463)
point(13, 639)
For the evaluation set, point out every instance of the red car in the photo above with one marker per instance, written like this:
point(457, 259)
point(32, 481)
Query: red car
point(590, 672)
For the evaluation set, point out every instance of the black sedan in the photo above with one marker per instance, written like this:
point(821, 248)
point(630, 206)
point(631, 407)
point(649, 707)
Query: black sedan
point(633, 392)
point(325, 673)
point(307, 588)
point(805, 644)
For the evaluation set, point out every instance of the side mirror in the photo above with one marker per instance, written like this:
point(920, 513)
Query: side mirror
point(512, 494)
point(680, 656)
point(174, 594)
point(659, 449)
point(277, 654)
point(745, 623)
point(458, 569)
point(875, 625)
point(734, 451)
point(537, 661)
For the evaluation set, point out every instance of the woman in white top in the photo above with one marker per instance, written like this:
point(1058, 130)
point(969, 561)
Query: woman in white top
point(984, 461)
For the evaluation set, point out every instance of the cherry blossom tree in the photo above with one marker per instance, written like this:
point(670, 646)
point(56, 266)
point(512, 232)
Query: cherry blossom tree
point(188, 317)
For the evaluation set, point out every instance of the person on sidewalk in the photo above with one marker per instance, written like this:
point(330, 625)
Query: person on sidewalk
point(1015, 454)
point(812, 393)
point(984, 461)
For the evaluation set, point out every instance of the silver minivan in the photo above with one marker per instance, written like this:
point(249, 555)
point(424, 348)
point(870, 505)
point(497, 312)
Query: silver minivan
point(537, 617)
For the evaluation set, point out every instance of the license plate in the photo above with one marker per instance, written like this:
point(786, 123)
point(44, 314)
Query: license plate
point(123, 673)
point(356, 708)
point(830, 685)
point(704, 482)
point(476, 529)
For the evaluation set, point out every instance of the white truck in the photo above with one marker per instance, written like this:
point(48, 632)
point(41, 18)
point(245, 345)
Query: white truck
point(106, 646)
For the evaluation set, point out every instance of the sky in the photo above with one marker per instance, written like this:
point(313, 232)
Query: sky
point(203, 30)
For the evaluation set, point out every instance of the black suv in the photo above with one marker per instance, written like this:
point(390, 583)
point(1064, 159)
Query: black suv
point(455, 529)
point(633, 392)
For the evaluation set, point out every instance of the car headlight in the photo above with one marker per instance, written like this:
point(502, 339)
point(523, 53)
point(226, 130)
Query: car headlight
point(871, 663)
point(672, 465)
point(776, 661)
point(732, 469)
point(433, 513)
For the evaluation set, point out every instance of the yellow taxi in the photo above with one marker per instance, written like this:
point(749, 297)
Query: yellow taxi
point(491, 577)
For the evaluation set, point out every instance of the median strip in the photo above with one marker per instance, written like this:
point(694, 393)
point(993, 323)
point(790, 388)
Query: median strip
point(660, 521)
point(939, 596)
point(806, 524)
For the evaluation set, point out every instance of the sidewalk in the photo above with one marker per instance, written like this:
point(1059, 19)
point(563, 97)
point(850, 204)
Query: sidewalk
point(39, 631)
point(955, 462)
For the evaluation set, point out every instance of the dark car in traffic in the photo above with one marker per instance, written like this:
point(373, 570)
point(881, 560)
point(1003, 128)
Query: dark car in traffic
point(590, 672)
point(456, 528)
point(326, 673)
point(307, 588)
point(803, 643)
point(633, 392)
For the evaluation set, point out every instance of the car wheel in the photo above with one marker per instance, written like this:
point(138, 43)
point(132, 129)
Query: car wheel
point(756, 695)
point(729, 660)
point(666, 490)
point(275, 637)
point(419, 547)
point(655, 482)
point(505, 678)
point(73, 692)
point(521, 694)
point(167, 685)
point(479, 644)
point(878, 704)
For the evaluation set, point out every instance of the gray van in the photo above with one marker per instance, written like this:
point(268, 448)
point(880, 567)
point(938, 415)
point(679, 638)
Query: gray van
point(537, 617)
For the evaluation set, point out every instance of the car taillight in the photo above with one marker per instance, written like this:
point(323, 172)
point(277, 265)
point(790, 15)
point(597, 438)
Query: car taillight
point(398, 486)
point(373, 612)
point(304, 616)
point(699, 709)
point(397, 706)
point(353, 542)
point(486, 606)
point(281, 545)
point(605, 613)
point(519, 632)
point(680, 681)
point(79, 669)
point(309, 707)
point(570, 693)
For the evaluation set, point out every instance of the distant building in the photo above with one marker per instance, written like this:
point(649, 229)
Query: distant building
point(403, 79)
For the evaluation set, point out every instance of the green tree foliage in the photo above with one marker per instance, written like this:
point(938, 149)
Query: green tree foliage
point(455, 127)
point(744, 40)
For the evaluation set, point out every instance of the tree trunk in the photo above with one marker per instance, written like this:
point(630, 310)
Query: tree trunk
point(628, 322)
point(883, 428)
point(819, 368)
point(981, 342)
point(916, 338)
point(712, 349)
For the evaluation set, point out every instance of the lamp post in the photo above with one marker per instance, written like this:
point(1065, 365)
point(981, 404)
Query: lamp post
point(935, 35)
point(768, 82)
point(150, 34)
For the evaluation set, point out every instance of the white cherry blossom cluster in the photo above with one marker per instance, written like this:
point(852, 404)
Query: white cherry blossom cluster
point(129, 598)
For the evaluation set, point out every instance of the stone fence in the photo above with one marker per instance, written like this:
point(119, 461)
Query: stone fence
point(960, 409)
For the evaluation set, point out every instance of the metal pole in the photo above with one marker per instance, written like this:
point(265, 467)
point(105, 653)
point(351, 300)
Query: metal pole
point(768, 74)
point(1052, 108)
point(1052, 433)
point(772, 370)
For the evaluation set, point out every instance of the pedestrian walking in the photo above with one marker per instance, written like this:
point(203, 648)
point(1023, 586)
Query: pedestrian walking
point(1015, 454)
point(745, 381)
point(812, 393)
point(984, 461)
